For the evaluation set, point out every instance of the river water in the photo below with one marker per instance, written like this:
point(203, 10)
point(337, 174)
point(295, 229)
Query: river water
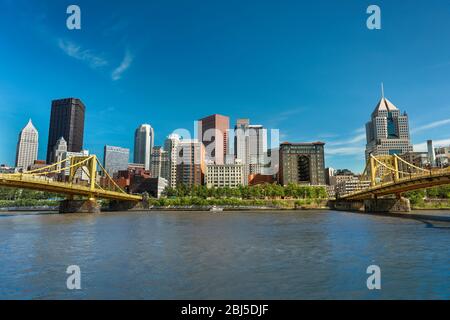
point(242, 255)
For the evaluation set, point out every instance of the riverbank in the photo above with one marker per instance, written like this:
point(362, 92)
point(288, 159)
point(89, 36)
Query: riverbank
point(431, 204)
point(228, 205)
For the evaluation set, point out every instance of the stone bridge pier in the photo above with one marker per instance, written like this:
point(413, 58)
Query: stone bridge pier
point(79, 206)
point(383, 205)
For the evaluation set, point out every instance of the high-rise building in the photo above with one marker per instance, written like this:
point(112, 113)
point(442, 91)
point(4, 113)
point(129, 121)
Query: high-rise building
point(115, 159)
point(387, 131)
point(190, 162)
point(171, 146)
point(241, 137)
point(160, 163)
point(431, 153)
point(257, 144)
point(66, 120)
point(27, 146)
point(213, 133)
point(250, 146)
point(143, 145)
point(302, 163)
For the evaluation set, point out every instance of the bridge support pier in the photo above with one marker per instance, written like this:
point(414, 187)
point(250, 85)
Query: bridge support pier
point(79, 206)
point(389, 205)
point(380, 205)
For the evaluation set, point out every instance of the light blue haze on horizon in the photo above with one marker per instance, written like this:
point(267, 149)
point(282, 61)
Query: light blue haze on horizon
point(311, 69)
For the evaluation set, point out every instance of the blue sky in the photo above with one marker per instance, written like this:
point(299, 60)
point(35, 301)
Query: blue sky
point(311, 69)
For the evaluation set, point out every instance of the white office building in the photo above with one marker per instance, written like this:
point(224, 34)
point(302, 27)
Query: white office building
point(170, 146)
point(227, 175)
point(27, 146)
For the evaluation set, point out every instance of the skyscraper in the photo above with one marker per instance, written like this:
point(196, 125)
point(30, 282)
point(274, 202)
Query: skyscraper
point(190, 162)
point(66, 120)
point(27, 146)
point(213, 133)
point(160, 163)
point(387, 131)
point(241, 137)
point(115, 159)
point(250, 146)
point(171, 145)
point(431, 153)
point(143, 145)
point(257, 144)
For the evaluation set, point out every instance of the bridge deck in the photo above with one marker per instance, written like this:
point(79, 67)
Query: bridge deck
point(422, 181)
point(44, 184)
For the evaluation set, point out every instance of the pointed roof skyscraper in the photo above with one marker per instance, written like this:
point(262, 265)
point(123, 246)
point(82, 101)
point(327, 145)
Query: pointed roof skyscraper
point(27, 146)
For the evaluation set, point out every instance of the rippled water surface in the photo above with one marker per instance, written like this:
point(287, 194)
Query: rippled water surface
point(244, 255)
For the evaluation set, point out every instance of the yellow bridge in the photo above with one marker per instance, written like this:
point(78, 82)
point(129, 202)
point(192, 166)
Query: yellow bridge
point(392, 175)
point(74, 176)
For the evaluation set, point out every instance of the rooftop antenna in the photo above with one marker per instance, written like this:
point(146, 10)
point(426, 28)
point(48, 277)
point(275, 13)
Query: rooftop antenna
point(382, 90)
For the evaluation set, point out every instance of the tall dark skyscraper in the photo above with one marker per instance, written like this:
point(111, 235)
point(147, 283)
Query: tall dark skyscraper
point(66, 120)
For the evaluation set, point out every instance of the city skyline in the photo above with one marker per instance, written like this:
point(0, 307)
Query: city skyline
point(296, 71)
point(383, 105)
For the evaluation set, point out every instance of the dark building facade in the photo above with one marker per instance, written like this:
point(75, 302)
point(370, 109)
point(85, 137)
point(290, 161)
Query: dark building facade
point(66, 120)
point(302, 163)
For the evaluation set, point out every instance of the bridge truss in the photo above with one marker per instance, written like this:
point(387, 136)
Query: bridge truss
point(392, 175)
point(73, 176)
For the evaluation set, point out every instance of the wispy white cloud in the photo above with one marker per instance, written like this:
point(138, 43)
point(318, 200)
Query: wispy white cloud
point(351, 145)
point(124, 65)
point(361, 130)
point(345, 151)
point(422, 147)
point(77, 52)
point(431, 125)
point(276, 119)
point(353, 140)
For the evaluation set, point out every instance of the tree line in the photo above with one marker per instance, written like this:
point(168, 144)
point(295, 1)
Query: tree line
point(261, 191)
